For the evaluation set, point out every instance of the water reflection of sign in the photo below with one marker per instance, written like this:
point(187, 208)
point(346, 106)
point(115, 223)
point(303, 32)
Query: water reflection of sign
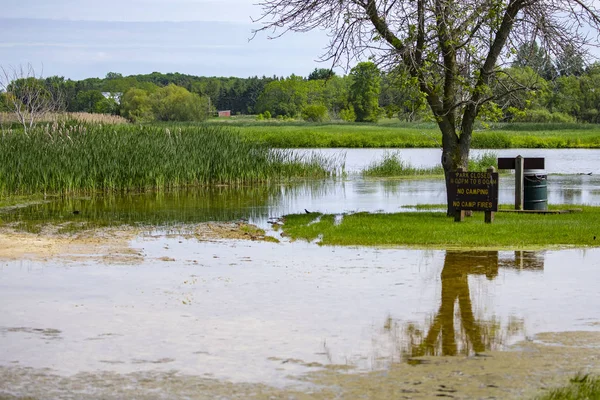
point(477, 191)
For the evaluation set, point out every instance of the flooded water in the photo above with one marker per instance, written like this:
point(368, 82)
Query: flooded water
point(350, 194)
point(558, 161)
point(268, 313)
point(260, 312)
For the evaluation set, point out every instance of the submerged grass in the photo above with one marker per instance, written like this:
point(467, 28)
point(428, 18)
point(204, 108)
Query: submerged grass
point(436, 230)
point(163, 209)
point(392, 165)
point(86, 158)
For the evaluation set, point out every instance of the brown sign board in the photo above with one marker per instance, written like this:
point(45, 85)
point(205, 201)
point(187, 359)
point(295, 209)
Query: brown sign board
point(528, 163)
point(477, 191)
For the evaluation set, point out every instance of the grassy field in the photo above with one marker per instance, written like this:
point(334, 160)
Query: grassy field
point(580, 388)
point(394, 133)
point(430, 229)
point(89, 158)
point(387, 133)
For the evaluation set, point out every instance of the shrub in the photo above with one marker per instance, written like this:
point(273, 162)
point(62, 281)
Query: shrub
point(174, 103)
point(315, 113)
point(590, 115)
point(562, 118)
point(348, 114)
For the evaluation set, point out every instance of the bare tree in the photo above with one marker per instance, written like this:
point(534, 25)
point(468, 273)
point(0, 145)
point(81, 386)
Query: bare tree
point(27, 96)
point(452, 48)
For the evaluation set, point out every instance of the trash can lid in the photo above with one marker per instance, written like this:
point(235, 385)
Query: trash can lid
point(534, 172)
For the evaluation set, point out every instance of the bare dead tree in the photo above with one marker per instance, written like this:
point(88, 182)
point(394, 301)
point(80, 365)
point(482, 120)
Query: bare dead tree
point(453, 48)
point(27, 96)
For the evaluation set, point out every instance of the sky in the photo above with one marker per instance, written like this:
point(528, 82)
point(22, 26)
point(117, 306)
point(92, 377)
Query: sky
point(81, 39)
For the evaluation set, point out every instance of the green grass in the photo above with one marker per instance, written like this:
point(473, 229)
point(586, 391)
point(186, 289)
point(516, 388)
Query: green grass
point(65, 158)
point(582, 387)
point(436, 230)
point(393, 133)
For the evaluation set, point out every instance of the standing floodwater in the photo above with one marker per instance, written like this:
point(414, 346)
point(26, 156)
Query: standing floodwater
point(258, 312)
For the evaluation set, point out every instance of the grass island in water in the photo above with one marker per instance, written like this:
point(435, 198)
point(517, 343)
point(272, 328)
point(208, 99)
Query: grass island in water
point(428, 229)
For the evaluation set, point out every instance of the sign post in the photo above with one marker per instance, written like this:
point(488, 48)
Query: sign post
point(476, 191)
point(519, 174)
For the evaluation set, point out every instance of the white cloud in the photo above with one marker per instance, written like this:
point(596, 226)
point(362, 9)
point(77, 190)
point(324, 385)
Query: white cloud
point(133, 10)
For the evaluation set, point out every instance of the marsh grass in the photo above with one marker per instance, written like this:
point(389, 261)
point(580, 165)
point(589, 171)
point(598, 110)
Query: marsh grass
point(581, 387)
point(93, 118)
point(86, 158)
point(392, 133)
point(392, 165)
point(483, 161)
point(81, 117)
point(435, 230)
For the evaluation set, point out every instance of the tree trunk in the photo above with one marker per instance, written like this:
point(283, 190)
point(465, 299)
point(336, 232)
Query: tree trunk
point(455, 154)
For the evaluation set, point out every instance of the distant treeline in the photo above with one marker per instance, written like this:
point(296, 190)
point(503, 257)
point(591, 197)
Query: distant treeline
point(563, 91)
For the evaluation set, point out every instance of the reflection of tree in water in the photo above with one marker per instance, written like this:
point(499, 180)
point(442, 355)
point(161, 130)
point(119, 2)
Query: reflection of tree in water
point(455, 329)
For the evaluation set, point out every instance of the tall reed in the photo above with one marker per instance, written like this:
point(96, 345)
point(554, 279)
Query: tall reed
point(85, 158)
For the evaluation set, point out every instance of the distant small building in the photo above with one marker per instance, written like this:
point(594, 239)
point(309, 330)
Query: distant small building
point(115, 96)
point(224, 113)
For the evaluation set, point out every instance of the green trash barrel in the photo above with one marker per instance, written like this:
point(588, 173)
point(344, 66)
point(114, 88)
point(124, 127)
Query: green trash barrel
point(535, 189)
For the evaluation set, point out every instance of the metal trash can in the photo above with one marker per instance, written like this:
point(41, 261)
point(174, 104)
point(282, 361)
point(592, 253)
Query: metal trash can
point(535, 189)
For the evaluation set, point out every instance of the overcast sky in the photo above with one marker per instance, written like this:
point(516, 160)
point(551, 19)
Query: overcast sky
point(87, 38)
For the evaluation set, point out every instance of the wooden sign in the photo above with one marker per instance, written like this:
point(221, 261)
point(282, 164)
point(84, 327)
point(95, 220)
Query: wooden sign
point(476, 191)
point(528, 163)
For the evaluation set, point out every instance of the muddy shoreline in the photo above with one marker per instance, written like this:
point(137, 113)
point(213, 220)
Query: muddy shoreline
point(527, 370)
point(108, 244)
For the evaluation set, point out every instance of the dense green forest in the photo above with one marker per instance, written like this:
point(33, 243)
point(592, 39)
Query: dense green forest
point(563, 90)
